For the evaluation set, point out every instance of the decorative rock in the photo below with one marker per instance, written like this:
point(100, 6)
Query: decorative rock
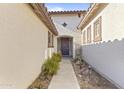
point(80, 75)
point(78, 63)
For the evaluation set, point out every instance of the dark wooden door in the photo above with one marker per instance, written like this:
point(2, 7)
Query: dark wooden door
point(65, 46)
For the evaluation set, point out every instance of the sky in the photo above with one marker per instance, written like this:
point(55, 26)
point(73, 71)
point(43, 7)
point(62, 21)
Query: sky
point(66, 6)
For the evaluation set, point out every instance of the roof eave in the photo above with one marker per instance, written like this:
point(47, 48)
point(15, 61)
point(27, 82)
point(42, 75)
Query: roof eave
point(41, 12)
point(82, 22)
point(95, 7)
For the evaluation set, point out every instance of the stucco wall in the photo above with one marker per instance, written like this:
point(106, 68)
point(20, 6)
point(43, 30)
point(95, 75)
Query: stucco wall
point(107, 56)
point(66, 32)
point(23, 45)
point(72, 20)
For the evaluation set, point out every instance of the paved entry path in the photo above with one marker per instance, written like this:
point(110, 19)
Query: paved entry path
point(65, 78)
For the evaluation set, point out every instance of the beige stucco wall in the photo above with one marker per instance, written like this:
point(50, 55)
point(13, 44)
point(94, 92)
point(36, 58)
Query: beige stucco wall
point(107, 56)
point(23, 45)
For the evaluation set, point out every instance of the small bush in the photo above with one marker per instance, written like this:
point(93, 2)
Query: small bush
point(49, 68)
point(57, 57)
point(51, 65)
point(46, 66)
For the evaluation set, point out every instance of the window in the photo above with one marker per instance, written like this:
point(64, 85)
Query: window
point(50, 39)
point(79, 15)
point(89, 34)
point(64, 24)
point(84, 37)
point(97, 30)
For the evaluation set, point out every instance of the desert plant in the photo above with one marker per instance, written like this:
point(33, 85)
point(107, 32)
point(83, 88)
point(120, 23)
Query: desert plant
point(57, 57)
point(46, 66)
point(55, 66)
point(50, 67)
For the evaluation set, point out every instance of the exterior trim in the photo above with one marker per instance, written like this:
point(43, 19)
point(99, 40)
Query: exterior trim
point(94, 10)
point(50, 40)
point(84, 37)
point(41, 11)
point(99, 37)
point(89, 34)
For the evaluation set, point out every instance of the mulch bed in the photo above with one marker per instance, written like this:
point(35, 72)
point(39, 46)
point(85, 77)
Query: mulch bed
point(41, 82)
point(90, 79)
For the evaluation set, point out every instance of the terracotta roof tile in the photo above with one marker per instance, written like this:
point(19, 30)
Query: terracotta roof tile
point(67, 12)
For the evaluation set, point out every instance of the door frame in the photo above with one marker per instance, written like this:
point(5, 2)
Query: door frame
point(70, 45)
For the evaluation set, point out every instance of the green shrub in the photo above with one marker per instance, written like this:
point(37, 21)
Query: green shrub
point(46, 66)
point(50, 67)
point(57, 57)
point(55, 66)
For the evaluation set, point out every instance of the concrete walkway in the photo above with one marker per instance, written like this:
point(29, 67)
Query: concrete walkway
point(65, 78)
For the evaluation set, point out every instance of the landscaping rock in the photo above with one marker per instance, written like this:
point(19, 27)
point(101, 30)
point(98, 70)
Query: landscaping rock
point(90, 79)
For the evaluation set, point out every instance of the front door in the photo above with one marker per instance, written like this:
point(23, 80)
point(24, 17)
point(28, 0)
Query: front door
point(65, 46)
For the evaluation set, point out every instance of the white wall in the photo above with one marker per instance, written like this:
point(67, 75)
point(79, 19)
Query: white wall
point(72, 20)
point(107, 56)
point(23, 45)
point(66, 32)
